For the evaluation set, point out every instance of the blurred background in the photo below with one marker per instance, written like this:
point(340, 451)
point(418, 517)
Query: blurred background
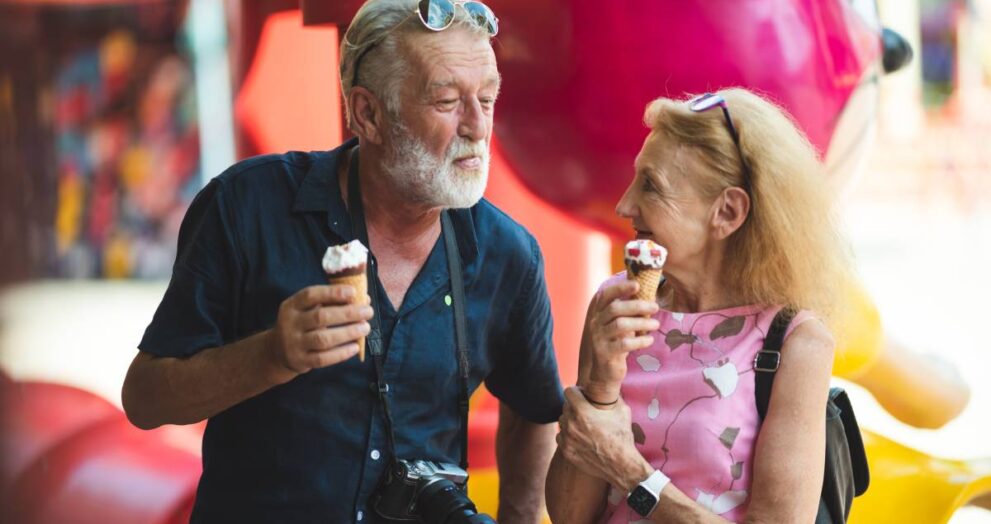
point(113, 114)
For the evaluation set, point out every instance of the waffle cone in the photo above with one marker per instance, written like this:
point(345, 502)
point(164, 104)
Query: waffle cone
point(360, 284)
point(649, 279)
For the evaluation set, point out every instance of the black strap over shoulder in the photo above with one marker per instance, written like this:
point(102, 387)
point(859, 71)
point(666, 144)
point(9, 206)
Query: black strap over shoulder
point(769, 357)
point(374, 337)
point(460, 326)
point(846, 473)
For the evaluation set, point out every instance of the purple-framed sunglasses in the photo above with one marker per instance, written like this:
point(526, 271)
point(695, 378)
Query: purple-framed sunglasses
point(703, 103)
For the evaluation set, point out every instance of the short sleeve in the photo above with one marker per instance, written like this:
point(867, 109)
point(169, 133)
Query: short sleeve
point(199, 308)
point(526, 376)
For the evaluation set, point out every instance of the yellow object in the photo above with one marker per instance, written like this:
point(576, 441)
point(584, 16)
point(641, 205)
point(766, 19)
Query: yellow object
point(118, 257)
point(910, 486)
point(117, 52)
point(917, 389)
point(860, 340)
point(68, 213)
point(483, 488)
point(134, 166)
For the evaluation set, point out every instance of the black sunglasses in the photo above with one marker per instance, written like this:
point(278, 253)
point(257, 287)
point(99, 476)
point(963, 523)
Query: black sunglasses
point(438, 15)
point(703, 103)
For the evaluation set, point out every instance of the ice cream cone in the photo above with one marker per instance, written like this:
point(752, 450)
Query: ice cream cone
point(345, 264)
point(649, 280)
point(645, 264)
point(360, 283)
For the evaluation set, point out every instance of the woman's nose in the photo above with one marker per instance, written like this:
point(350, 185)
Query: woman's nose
point(626, 207)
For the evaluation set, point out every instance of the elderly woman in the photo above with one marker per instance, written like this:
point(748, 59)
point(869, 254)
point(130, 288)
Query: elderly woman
point(664, 405)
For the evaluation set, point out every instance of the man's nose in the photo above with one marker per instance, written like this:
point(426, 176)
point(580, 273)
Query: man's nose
point(474, 124)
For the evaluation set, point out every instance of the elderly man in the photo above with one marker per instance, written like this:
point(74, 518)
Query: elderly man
point(249, 337)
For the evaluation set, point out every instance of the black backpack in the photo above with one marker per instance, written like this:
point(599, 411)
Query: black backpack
point(846, 475)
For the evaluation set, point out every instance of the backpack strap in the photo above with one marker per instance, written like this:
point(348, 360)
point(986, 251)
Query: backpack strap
point(768, 359)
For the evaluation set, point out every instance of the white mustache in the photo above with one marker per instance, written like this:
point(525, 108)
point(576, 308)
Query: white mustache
point(461, 148)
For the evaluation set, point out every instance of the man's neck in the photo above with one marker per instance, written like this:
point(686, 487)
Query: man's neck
point(394, 224)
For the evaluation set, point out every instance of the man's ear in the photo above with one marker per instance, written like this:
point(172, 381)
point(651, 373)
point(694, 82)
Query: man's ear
point(729, 211)
point(367, 115)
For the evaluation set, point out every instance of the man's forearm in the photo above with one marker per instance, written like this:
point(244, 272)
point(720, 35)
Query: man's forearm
point(161, 390)
point(523, 454)
point(573, 497)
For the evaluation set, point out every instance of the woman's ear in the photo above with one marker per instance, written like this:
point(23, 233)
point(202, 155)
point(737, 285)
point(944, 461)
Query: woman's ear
point(367, 115)
point(730, 211)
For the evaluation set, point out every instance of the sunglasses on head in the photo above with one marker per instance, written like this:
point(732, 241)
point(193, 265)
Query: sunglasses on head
point(703, 103)
point(438, 15)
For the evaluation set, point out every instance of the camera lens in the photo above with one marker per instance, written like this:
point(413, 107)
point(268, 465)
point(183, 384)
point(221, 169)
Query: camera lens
point(441, 502)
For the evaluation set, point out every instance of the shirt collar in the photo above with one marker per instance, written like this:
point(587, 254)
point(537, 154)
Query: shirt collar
point(320, 191)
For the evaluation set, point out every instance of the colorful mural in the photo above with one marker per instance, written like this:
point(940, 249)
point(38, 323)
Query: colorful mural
point(123, 122)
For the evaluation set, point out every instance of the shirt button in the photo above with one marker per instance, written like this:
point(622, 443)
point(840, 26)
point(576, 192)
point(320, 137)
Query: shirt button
point(376, 454)
point(360, 515)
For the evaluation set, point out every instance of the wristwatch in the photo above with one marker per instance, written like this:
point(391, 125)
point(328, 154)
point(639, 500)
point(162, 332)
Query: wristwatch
point(644, 498)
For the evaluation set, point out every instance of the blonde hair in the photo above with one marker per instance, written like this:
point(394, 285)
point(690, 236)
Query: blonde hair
point(383, 25)
point(789, 250)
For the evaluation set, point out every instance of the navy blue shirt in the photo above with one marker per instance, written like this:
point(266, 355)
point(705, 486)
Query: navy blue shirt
point(313, 449)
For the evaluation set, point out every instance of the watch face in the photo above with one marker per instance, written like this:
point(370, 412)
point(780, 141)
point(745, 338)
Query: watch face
point(642, 501)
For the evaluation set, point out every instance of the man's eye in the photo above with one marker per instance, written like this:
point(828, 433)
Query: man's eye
point(447, 102)
point(649, 186)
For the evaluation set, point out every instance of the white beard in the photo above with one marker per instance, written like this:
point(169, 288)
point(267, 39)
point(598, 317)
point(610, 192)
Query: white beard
point(425, 179)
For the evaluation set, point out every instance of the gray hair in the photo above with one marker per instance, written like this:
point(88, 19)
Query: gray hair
point(378, 31)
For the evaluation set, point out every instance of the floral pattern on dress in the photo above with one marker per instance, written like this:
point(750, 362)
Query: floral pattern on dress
point(691, 394)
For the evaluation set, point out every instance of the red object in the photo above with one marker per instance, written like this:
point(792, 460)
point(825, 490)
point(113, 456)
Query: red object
point(70, 456)
point(290, 98)
point(317, 12)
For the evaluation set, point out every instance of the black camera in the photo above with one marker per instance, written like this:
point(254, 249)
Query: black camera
point(427, 492)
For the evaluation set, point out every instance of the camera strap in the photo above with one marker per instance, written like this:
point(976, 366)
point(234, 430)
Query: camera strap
point(460, 327)
point(374, 338)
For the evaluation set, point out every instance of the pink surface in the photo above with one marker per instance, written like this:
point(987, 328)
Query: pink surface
point(578, 75)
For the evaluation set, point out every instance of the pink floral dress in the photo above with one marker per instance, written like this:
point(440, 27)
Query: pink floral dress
point(692, 398)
